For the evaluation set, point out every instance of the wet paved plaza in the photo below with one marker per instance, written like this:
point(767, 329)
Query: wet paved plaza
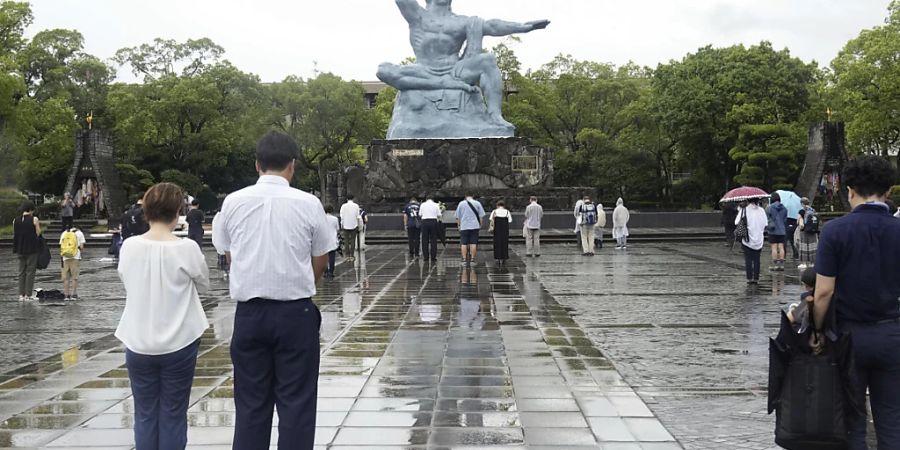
point(658, 347)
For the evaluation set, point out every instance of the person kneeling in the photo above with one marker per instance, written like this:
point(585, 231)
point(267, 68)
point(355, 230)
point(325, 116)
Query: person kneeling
point(162, 322)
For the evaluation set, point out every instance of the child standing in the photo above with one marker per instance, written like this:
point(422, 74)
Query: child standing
point(798, 313)
point(71, 243)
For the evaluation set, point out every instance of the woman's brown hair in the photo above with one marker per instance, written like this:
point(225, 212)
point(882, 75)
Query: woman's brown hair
point(162, 202)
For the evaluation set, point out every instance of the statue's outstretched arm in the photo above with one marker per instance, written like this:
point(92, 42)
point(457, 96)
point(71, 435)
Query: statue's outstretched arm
point(503, 28)
point(411, 9)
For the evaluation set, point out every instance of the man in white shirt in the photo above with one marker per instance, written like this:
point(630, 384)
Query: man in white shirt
point(350, 226)
point(534, 213)
point(277, 239)
point(429, 212)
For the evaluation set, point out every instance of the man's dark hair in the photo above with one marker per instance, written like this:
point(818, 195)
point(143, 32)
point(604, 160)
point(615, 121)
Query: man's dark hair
point(350, 197)
point(776, 197)
point(329, 209)
point(27, 206)
point(754, 201)
point(870, 175)
point(276, 151)
point(429, 197)
point(195, 202)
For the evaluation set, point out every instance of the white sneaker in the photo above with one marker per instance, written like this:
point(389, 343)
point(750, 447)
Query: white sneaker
point(802, 267)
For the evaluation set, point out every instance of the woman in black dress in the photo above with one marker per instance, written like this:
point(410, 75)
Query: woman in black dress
point(500, 222)
point(27, 245)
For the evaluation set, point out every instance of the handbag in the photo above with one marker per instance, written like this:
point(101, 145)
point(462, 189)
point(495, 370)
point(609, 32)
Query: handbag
point(741, 232)
point(813, 395)
point(44, 256)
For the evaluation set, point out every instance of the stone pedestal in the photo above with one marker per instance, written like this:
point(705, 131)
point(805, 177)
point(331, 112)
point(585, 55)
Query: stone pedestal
point(506, 168)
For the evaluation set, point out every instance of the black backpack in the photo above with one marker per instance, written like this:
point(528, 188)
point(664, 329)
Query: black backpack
point(811, 221)
point(133, 223)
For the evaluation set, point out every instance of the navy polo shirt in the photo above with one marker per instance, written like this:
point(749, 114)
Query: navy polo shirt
point(862, 251)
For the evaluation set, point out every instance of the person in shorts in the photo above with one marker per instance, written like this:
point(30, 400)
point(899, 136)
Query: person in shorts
point(469, 216)
point(71, 266)
point(777, 228)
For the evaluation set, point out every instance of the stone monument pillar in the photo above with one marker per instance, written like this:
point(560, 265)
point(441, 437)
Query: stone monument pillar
point(825, 158)
point(95, 163)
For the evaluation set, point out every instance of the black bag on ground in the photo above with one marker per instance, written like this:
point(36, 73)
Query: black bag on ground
point(50, 294)
point(43, 260)
point(812, 395)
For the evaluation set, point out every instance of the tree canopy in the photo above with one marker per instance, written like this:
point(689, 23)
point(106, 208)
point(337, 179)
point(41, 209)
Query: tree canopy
point(676, 134)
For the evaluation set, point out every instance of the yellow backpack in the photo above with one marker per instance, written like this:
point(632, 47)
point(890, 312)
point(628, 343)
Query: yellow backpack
point(68, 248)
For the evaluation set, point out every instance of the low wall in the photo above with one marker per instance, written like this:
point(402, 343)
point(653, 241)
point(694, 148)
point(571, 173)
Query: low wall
point(565, 219)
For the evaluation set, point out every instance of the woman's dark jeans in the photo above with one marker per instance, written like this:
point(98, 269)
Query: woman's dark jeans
point(161, 386)
point(751, 262)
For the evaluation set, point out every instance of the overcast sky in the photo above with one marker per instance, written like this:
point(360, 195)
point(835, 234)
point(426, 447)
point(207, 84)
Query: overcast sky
point(276, 38)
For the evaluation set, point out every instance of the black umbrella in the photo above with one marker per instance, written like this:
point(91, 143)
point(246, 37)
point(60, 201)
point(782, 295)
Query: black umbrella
point(812, 395)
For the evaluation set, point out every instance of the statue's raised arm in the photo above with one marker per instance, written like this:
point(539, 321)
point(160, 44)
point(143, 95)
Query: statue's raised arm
point(503, 28)
point(411, 10)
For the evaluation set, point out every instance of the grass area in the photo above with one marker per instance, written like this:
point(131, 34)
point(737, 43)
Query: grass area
point(6, 231)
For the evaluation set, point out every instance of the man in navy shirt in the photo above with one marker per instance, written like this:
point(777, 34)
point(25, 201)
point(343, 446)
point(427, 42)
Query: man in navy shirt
point(857, 266)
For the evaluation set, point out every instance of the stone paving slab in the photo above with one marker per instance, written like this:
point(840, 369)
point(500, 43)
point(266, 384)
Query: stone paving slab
point(415, 355)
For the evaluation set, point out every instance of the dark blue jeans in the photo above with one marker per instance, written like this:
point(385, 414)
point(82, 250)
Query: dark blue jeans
point(877, 352)
point(413, 236)
point(751, 262)
point(332, 256)
point(161, 386)
point(275, 351)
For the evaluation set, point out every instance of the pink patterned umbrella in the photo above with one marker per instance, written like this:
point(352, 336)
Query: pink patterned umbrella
point(744, 193)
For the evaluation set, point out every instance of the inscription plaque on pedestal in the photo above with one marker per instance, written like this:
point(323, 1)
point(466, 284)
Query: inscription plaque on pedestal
point(407, 152)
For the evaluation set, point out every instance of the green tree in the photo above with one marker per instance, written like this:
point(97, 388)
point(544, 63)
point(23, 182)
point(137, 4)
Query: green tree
point(704, 100)
point(771, 155)
point(328, 118)
point(134, 180)
point(866, 76)
point(202, 120)
point(14, 18)
point(44, 135)
point(590, 114)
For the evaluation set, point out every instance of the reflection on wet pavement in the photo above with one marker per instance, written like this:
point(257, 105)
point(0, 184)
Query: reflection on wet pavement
point(414, 355)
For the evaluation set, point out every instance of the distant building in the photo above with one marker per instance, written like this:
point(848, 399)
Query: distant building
point(372, 88)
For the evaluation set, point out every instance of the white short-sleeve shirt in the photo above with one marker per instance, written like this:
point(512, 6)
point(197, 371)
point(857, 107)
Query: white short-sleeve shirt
point(272, 232)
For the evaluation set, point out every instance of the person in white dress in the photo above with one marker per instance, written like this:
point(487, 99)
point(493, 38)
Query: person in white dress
point(163, 320)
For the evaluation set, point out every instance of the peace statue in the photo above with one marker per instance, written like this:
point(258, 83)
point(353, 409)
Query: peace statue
point(446, 94)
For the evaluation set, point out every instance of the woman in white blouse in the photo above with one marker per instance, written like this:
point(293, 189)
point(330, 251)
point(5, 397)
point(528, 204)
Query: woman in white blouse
point(162, 322)
point(757, 220)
